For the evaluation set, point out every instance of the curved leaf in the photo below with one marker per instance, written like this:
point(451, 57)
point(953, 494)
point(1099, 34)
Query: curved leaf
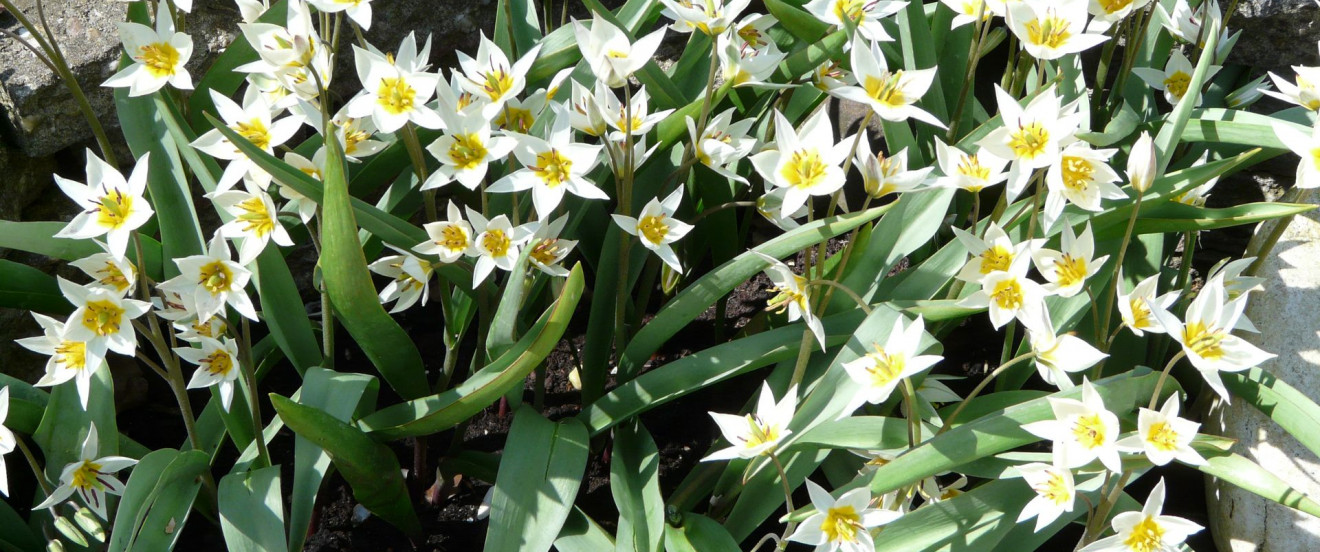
point(698, 533)
point(635, 484)
point(156, 505)
point(1176, 217)
point(251, 513)
point(538, 480)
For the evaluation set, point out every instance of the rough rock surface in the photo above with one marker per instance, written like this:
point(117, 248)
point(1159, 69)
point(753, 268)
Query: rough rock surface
point(1288, 316)
point(1276, 34)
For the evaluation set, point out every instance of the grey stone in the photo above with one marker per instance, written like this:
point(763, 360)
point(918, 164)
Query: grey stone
point(1288, 316)
point(1276, 34)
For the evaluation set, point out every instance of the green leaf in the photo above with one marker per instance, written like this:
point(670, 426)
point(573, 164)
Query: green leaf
point(975, 520)
point(698, 533)
point(516, 27)
point(635, 484)
point(504, 326)
point(25, 288)
point(797, 21)
point(856, 432)
point(352, 293)
point(65, 424)
point(1171, 133)
point(15, 536)
point(440, 412)
point(700, 295)
point(1291, 409)
point(538, 480)
point(582, 534)
point(283, 310)
point(1176, 217)
point(158, 500)
point(370, 467)
point(1250, 476)
point(912, 221)
point(1232, 126)
point(39, 237)
point(251, 512)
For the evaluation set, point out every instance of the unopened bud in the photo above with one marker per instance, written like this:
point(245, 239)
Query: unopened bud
point(1141, 166)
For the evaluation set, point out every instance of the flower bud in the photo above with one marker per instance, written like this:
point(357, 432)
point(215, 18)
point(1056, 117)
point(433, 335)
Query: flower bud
point(1141, 163)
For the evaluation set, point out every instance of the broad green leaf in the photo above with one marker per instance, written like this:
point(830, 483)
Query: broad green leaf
point(974, 520)
point(65, 424)
point(516, 27)
point(25, 288)
point(283, 310)
point(703, 293)
point(1171, 133)
point(582, 534)
point(370, 467)
point(635, 484)
point(1250, 476)
point(15, 536)
point(538, 480)
point(39, 237)
point(1290, 408)
point(698, 533)
point(437, 413)
point(1176, 217)
point(911, 222)
point(856, 432)
point(156, 504)
point(1232, 126)
point(251, 512)
point(504, 327)
point(797, 21)
point(352, 293)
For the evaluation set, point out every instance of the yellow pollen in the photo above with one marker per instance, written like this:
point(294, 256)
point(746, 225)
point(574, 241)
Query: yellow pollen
point(553, 168)
point(996, 258)
point(653, 228)
point(395, 95)
point(467, 151)
point(885, 368)
point(617, 54)
point(72, 354)
point(1141, 315)
point(1070, 270)
point(1162, 436)
point(1077, 172)
point(256, 219)
point(219, 363)
point(1029, 141)
point(970, 166)
point(115, 208)
point(161, 59)
point(351, 140)
point(254, 131)
point(1089, 431)
point(1177, 84)
point(1315, 157)
point(783, 296)
point(752, 36)
point(805, 170)
point(85, 476)
point(886, 90)
point(762, 432)
point(841, 524)
point(514, 118)
point(1050, 31)
point(113, 277)
point(850, 10)
point(1113, 6)
point(453, 238)
point(546, 251)
point(1008, 294)
point(103, 317)
point(1203, 341)
point(1146, 536)
point(1054, 489)
point(216, 277)
point(496, 242)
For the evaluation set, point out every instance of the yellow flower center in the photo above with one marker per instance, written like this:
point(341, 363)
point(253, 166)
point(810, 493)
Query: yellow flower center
point(219, 363)
point(1315, 158)
point(1029, 140)
point(216, 277)
point(161, 59)
point(1008, 294)
point(1050, 31)
point(254, 131)
point(1113, 6)
point(256, 219)
point(1202, 341)
point(752, 36)
point(112, 276)
point(515, 118)
point(86, 476)
point(886, 90)
point(1177, 84)
point(1070, 270)
point(653, 228)
point(103, 317)
point(396, 95)
point(841, 524)
point(1141, 315)
point(72, 354)
point(497, 84)
point(1146, 536)
point(849, 10)
point(467, 151)
point(553, 167)
point(496, 242)
point(1162, 436)
point(783, 296)
point(761, 432)
point(1089, 431)
point(805, 170)
point(1054, 489)
point(454, 238)
point(546, 251)
point(115, 208)
point(351, 140)
point(885, 368)
point(970, 166)
point(207, 329)
point(995, 258)
point(1077, 172)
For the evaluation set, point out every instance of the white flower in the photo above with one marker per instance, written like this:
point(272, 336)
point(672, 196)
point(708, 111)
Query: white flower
point(1032, 136)
point(548, 249)
point(791, 295)
point(7, 441)
point(1058, 355)
point(657, 228)
point(711, 17)
point(449, 239)
point(616, 114)
point(882, 176)
point(410, 279)
point(878, 373)
point(1163, 436)
point(1068, 270)
point(1304, 93)
point(1229, 274)
point(1184, 23)
point(217, 364)
point(968, 171)
point(1205, 338)
point(90, 477)
point(804, 163)
point(967, 11)
point(254, 224)
point(69, 360)
point(1175, 78)
point(1083, 177)
point(206, 283)
point(618, 163)
point(465, 150)
point(994, 253)
point(1008, 294)
point(518, 115)
point(251, 10)
point(865, 14)
point(357, 10)
point(1147, 530)
point(722, 144)
point(1055, 492)
point(744, 65)
point(158, 54)
point(755, 434)
point(252, 121)
point(612, 57)
point(301, 204)
point(552, 167)
point(491, 77)
point(1307, 148)
point(1082, 431)
point(770, 206)
point(112, 206)
point(891, 95)
point(584, 115)
point(192, 331)
point(110, 271)
point(291, 53)
point(102, 319)
point(1051, 29)
point(1247, 94)
point(1109, 12)
point(393, 92)
point(1137, 307)
point(844, 524)
point(498, 244)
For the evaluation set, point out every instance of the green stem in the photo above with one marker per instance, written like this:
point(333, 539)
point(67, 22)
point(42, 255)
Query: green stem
point(32, 463)
point(247, 366)
point(948, 423)
point(979, 33)
point(849, 292)
point(1094, 525)
point(1164, 375)
point(1118, 264)
point(788, 500)
point(414, 146)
